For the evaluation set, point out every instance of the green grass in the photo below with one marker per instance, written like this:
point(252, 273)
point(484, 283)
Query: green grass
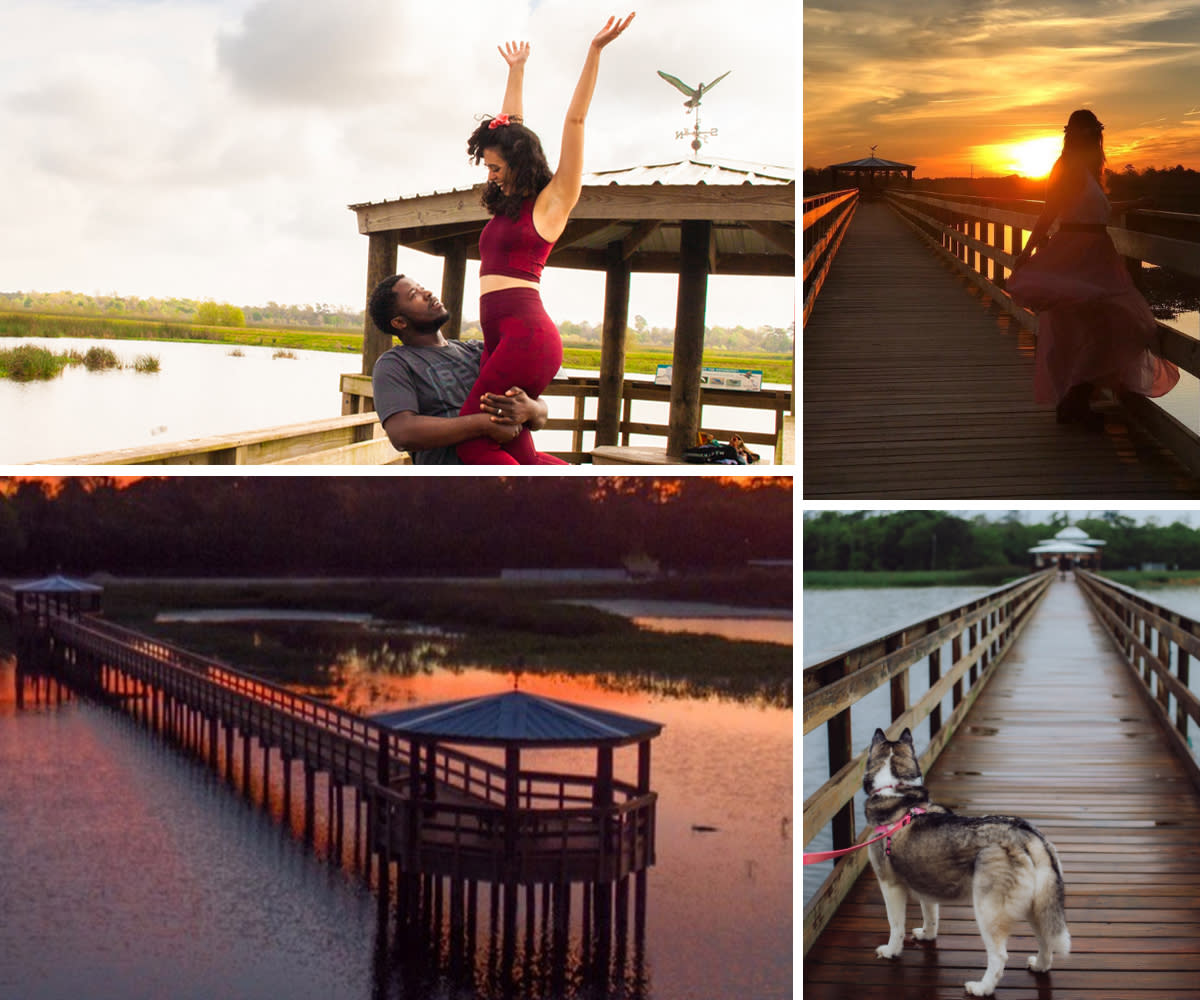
point(988, 576)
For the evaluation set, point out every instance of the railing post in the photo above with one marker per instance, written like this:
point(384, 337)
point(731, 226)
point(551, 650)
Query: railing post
point(840, 742)
point(899, 683)
point(1164, 658)
point(935, 674)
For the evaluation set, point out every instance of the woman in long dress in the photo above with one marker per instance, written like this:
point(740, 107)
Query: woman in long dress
point(1094, 328)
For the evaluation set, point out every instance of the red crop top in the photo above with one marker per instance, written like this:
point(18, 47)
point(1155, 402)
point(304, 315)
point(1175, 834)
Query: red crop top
point(513, 248)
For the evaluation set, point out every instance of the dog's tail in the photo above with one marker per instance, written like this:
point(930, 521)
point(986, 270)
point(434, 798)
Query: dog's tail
point(1049, 916)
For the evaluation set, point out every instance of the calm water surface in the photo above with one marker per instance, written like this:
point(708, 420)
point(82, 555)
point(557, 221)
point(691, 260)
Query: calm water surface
point(202, 389)
point(835, 620)
point(130, 866)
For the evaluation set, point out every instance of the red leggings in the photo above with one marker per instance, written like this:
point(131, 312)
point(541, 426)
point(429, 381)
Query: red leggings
point(521, 348)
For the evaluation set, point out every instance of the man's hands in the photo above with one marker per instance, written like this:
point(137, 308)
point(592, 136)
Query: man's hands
point(513, 407)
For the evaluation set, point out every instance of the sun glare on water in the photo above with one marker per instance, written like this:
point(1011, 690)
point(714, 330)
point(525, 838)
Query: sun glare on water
point(1031, 158)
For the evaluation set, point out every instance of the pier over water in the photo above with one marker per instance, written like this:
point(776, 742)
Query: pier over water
point(918, 367)
point(463, 852)
point(1069, 704)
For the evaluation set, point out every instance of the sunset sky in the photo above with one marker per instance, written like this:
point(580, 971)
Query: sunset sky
point(949, 86)
point(210, 148)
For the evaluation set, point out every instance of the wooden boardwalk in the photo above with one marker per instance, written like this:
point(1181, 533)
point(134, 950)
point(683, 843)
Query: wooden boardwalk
point(914, 388)
point(1062, 737)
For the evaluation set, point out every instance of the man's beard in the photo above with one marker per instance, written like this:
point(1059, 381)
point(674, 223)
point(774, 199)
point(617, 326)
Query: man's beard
point(430, 327)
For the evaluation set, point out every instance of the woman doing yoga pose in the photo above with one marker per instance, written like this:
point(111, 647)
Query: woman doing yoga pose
point(529, 205)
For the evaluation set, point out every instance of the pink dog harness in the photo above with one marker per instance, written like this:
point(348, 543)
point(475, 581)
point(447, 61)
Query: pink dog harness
point(881, 833)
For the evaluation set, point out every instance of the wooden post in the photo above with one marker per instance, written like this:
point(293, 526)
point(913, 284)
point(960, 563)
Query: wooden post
point(454, 280)
point(381, 262)
point(687, 361)
point(612, 345)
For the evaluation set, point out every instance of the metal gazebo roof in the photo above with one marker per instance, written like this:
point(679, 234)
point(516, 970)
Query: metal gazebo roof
point(517, 718)
point(58, 584)
point(752, 206)
point(872, 163)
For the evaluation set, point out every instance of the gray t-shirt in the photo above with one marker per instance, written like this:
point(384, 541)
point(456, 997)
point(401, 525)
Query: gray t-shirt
point(431, 381)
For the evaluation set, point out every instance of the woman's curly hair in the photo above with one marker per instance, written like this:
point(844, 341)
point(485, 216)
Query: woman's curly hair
point(522, 151)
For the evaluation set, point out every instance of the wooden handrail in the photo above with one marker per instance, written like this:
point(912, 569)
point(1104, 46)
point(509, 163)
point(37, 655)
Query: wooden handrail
point(1152, 637)
point(833, 684)
point(826, 220)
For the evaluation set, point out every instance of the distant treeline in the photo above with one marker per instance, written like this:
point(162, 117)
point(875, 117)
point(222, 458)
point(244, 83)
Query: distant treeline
point(1174, 189)
point(255, 525)
point(935, 540)
point(323, 316)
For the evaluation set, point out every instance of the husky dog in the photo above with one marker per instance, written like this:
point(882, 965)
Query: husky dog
point(1002, 864)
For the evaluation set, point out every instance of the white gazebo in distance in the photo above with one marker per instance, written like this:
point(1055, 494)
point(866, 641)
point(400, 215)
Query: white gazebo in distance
point(1072, 542)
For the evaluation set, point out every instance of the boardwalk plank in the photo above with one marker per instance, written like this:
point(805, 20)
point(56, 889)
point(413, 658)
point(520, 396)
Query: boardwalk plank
point(1061, 737)
point(915, 388)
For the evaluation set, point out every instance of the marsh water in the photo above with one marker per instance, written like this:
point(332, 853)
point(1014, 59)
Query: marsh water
point(207, 389)
point(134, 872)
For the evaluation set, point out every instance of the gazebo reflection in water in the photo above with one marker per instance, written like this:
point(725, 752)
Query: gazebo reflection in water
point(495, 851)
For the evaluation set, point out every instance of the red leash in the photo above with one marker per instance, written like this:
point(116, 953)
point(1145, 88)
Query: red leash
point(882, 831)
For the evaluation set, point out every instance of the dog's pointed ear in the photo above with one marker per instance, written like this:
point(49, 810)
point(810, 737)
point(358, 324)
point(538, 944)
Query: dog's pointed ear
point(906, 736)
point(879, 737)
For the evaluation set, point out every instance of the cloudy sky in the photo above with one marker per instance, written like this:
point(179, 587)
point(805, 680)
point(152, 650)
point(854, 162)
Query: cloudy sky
point(209, 148)
point(950, 86)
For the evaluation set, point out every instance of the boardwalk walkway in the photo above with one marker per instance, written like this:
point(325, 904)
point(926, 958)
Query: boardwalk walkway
point(914, 388)
point(1061, 737)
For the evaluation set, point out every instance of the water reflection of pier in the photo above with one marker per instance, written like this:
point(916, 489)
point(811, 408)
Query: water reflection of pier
point(497, 878)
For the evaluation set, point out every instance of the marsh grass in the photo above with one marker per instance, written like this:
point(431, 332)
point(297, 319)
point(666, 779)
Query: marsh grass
point(148, 363)
point(26, 363)
point(775, 367)
point(525, 628)
point(99, 359)
point(987, 576)
point(282, 353)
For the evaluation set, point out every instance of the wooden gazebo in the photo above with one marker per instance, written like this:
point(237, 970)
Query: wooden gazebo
point(693, 217)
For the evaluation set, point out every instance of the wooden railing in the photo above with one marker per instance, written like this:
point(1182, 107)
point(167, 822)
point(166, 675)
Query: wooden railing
point(982, 236)
point(1158, 644)
point(355, 439)
point(826, 218)
point(357, 396)
point(978, 634)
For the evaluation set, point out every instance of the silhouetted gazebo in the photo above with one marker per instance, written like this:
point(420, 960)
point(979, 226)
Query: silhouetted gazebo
point(871, 167)
point(57, 595)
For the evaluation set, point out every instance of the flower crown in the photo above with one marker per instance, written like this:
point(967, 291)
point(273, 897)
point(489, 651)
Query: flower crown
point(504, 119)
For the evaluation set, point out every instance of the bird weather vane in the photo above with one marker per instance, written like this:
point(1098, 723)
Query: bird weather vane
point(692, 104)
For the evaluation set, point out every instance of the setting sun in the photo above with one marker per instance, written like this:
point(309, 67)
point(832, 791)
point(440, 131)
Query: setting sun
point(1031, 158)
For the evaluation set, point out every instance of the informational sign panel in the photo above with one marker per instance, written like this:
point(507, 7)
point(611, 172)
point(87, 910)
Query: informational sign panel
point(744, 379)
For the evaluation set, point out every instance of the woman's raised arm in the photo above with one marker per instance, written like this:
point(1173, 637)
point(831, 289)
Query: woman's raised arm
point(515, 54)
point(554, 204)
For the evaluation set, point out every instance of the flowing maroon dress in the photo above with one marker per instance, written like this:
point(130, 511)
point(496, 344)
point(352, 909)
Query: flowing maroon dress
point(1093, 324)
